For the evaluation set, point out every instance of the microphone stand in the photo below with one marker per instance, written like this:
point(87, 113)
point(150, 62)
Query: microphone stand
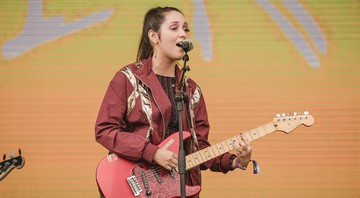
point(181, 97)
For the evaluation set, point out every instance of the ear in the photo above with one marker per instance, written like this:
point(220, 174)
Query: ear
point(153, 36)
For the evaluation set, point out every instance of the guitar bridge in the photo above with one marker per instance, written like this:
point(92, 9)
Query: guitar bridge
point(134, 185)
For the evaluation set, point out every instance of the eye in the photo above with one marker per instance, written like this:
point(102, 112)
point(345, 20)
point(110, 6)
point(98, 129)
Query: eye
point(173, 28)
point(186, 29)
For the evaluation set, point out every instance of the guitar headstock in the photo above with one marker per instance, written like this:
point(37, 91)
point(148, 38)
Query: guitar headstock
point(13, 162)
point(288, 122)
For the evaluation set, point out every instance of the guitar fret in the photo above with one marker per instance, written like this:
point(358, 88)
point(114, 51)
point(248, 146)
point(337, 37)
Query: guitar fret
point(220, 148)
point(216, 150)
point(189, 163)
point(200, 157)
point(254, 135)
point(229, 144)
point(192, 159)
point(193, 162)
point(261, 131)
point(270, 128)
point(211, 152)
point(235, 140)
point(223, 147)
point(198, 154)
point(248, 136)
point(196, 158)
point(207, 154)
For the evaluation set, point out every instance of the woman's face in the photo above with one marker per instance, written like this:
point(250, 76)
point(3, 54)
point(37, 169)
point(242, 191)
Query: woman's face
point(173, 30)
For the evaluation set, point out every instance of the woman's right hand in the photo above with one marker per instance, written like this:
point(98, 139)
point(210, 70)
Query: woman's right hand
point(166, 159)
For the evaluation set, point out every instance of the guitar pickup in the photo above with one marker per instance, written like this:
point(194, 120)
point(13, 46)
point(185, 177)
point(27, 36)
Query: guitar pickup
point(134, 185)
point(157, 176)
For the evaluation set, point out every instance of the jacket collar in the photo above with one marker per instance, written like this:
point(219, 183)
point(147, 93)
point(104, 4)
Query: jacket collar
point(145, 71)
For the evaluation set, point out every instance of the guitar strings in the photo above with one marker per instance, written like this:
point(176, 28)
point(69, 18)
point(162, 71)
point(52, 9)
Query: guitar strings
point(161, 170)
point(150, 173)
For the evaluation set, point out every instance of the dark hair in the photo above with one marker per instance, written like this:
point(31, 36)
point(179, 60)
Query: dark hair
point(152, 21)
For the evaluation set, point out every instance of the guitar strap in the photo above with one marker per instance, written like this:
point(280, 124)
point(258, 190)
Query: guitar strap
point(190, 116)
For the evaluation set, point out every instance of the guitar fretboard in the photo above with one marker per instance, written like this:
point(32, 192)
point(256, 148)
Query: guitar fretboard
point(222, 147)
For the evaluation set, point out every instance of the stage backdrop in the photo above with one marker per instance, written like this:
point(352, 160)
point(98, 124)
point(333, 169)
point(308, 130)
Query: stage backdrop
point(252, 59)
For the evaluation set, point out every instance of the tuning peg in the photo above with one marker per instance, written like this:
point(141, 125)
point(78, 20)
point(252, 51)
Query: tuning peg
point(301, 117)
point(11, 154)
point(289, 115)
point(4, 156)
point(306, 113)
point(283, 115)
point(295, 113)
point(278, 117)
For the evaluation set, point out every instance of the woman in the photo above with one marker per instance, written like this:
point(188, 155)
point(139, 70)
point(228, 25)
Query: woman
point(138, 111)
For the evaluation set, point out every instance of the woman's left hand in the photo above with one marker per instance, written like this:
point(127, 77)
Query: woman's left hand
point(243, 152)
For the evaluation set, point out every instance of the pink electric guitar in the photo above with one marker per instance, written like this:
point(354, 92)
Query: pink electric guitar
point(118, 177)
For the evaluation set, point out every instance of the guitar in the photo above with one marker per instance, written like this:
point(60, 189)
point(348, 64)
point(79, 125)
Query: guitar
point(118, 177)
point(8, 165)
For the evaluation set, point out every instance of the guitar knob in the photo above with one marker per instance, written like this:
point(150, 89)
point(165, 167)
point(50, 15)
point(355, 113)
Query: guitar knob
point(148, 193)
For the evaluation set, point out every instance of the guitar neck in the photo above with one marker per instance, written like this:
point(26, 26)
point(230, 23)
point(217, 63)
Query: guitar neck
point(222, 147)
point(6, 170)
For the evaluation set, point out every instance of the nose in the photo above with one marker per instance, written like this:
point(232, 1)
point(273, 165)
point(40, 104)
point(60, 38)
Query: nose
point(183, 34)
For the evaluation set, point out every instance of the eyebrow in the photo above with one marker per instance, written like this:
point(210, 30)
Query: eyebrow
point(177, 22)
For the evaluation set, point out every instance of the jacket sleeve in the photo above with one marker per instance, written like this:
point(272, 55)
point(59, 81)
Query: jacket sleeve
point(202, 127)
point(110, 124)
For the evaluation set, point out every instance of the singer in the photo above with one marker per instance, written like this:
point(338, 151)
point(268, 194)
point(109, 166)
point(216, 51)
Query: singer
point(138, 110)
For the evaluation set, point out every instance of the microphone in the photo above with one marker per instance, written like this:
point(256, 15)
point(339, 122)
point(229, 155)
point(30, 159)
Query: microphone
point(186, 45)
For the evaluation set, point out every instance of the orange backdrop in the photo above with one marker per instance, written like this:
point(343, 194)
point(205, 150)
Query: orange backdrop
point(252, 59)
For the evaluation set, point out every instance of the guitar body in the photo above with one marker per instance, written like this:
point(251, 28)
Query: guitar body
point(118, 177)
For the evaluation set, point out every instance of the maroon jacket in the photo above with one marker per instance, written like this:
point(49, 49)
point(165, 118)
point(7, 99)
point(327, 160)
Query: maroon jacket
point(123, 126)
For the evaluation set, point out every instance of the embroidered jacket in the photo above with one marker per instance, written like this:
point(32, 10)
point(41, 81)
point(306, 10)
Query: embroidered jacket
point(135, 112)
